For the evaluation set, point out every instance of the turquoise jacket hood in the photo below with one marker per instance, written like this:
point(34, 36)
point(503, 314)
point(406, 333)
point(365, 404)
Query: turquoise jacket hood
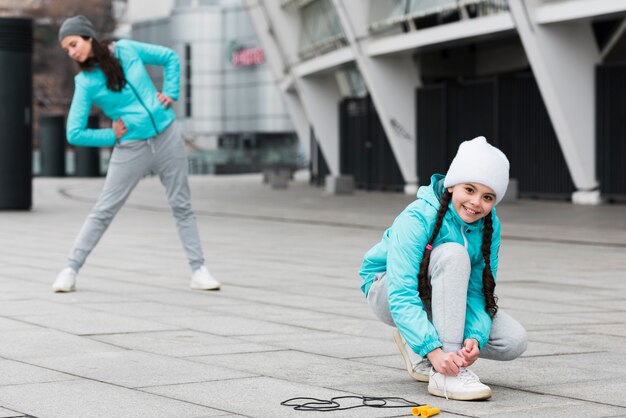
point(400, 252)
point(136, 104)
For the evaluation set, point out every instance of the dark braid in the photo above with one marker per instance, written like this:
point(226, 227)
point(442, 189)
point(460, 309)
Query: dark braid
point(489, 285)
point(109, 64)
point(423, 286)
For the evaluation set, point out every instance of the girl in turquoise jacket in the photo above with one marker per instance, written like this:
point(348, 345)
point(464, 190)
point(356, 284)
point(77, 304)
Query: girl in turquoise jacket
point(144, 136)
point(432, 276)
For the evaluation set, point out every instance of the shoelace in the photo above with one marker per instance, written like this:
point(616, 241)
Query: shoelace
point(465, 375)
point(422, 365)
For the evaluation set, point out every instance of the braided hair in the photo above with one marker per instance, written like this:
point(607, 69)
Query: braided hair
point(489, 284)
point(109, 64)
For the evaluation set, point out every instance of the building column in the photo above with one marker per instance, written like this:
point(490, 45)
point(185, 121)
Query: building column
point(391, 81)
point(321, 97)
point(563, 59)
point(310, 100)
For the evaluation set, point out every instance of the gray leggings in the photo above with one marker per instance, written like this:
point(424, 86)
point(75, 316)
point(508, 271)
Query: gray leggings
point(131, 160)
point(449, 272)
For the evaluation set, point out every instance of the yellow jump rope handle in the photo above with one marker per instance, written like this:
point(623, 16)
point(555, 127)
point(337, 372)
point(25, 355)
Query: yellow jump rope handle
point(417, 411)
point(430, 412)
point(424, 411)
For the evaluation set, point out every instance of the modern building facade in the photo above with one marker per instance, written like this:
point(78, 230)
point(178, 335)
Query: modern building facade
point(387, 89)
point(228, 97)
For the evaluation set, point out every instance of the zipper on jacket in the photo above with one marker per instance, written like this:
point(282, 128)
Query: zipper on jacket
point(144, 106)
point(464, 238)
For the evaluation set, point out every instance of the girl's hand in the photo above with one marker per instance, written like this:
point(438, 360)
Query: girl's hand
point(119, 128)
point(470, 351)
point(446, 363)
point(165, 100)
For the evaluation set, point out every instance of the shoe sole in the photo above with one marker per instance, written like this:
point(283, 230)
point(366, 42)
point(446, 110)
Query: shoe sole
point(63, 290)
point(481, 396)
point(407, 361)
point(205, 288)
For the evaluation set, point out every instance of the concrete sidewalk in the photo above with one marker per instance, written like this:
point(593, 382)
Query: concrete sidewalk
point(290, 321)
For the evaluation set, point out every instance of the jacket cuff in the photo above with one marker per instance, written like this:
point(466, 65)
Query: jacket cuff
point(425, 349)
point(482, 341)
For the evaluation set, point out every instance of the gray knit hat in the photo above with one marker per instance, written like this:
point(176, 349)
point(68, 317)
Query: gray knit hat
point(77, 25)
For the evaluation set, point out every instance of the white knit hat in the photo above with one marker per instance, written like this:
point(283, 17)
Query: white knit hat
point(478, 162)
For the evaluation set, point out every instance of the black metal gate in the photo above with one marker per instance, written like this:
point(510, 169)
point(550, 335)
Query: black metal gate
point(536, 158)
point(509, 111)
point(365, 152)
point(611, 130)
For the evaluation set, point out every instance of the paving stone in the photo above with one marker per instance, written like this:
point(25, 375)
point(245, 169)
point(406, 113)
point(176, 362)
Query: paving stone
point(573, 409)
point(346, 347)
point(261, 397)
point(597, 391)
point(92, 322)
point(135, 369)
point(94, 399)
point(302, 367)
point(504, 400)
point(47, 343)
point(7, 324)
point(18, 373)
point(142, 309)
point(229, 326)
point(183, 343)
point(530, 372)
point(6, 413)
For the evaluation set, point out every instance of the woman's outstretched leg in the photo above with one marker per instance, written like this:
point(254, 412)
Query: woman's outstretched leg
point(128, 164)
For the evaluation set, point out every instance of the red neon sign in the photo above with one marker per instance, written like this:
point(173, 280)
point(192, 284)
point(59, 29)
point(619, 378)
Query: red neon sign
point(247, 57)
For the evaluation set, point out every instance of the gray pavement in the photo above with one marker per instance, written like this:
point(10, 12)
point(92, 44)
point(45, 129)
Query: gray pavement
point(290, 321)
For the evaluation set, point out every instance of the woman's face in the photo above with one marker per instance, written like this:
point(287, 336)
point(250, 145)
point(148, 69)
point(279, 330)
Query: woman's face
point(78, 48)
point(472, 201)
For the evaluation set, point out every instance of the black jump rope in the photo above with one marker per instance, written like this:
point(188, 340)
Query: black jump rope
point(334, 404)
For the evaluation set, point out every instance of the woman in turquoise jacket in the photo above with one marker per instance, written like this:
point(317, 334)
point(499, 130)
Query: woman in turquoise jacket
point(144, 135)
point(432, 276)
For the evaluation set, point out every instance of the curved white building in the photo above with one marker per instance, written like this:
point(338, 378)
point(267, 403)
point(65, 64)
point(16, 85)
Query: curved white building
point(522, 72)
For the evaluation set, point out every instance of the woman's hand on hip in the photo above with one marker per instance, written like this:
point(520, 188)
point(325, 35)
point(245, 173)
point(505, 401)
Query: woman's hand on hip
point(446, 363)
point(166, 101)
point(470, 350)
point(119, 128)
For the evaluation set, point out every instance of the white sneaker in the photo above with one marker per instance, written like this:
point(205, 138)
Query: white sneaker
point(65, 281)
point(465, 386)
point(201, 279)
point(418, 367)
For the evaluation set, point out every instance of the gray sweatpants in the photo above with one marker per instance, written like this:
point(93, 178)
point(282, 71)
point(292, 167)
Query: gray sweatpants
point(131, 160)
point(449, 272)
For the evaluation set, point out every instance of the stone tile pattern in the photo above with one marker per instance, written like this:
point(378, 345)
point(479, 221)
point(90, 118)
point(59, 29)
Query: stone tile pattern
point(290, 321)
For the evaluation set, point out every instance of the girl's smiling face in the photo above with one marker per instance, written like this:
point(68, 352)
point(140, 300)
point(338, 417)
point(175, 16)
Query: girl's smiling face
point(78, 48)
point(472, 201)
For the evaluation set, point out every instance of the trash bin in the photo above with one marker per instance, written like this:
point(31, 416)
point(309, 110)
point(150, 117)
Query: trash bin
point(52, 145)
point(87, 159)
point(16, 85)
